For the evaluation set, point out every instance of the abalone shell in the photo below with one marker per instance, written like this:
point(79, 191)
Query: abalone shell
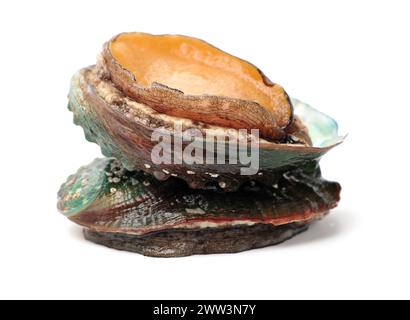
point(124, 128)
point(136, 212)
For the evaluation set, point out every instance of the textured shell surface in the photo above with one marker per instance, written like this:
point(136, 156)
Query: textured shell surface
point(106, 197)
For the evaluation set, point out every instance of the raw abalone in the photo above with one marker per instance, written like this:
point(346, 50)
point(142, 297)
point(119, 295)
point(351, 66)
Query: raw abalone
point(204, 153)
point(136, 212)
point(124, 128)
point(188, 78)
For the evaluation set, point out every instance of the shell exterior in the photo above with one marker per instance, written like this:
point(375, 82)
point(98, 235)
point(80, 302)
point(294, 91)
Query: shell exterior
point(123, 128)
point(105, 197)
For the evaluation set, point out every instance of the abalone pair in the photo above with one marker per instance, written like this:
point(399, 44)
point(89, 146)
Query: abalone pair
point(144, 83)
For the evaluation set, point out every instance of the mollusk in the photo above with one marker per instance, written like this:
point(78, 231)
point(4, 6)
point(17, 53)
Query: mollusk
point(124, 129)
point(136, 212)
point(178, 92)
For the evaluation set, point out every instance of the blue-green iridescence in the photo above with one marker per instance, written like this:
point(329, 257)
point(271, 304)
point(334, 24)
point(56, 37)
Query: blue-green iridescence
point(104, 184)
point(86, 117)
point(323, 130)
point(82, 188)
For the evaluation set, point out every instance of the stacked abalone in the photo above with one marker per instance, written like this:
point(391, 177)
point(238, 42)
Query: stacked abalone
point(144, 87)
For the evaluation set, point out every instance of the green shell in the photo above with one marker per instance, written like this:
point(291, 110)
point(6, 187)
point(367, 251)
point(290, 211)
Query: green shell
point(106, 197)
point(82, 188)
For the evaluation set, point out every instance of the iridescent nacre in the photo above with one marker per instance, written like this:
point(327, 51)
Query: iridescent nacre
point(323, 130)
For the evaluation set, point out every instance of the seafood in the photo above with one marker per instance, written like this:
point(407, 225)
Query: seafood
point(204, 154)
point(124, 128)
point(136, 212)
point(187, 77)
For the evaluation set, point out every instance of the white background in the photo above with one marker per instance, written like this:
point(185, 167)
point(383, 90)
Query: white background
point(349, 59)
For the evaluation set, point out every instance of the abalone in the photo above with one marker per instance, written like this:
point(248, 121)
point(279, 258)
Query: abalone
point(124, 129)
point(134, 211)
point(189, 78)
point(204, 154)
